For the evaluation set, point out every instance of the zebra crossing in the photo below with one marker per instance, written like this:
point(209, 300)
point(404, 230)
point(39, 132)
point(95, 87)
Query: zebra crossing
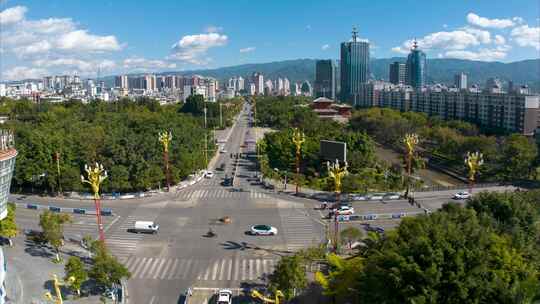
point(225, 269)
point(121, 242)
point(190, 194)
point(298, 228)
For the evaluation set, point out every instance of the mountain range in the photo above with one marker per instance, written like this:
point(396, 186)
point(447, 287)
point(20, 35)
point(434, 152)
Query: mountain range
point(438, 71)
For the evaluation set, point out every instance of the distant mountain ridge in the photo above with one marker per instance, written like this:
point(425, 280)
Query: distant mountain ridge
point(439, 71)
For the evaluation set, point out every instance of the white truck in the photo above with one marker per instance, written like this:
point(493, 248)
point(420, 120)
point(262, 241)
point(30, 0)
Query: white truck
point(145, 226)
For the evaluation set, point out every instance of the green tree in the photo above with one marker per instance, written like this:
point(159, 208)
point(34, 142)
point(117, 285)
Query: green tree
point(518, 155)
point(289, 276)
point(52, 225)
point(75, 268)
point(446, 257)
point(341, 278)
point(8, 226)
point(350, 235)
point(106, 269)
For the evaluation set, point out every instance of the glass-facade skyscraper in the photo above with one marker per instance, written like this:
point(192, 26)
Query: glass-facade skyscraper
point(416, 67)
point(325, 79)
point(354, 68)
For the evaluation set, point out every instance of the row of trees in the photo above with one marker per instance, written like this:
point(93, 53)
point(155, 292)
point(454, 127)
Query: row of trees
point(121, 135)
point(278, 149)
point(506, 157)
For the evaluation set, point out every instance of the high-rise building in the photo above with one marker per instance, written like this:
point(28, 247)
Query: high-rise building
point(306, 88)
point(416, 67)
point(460, 81)
point(48, 82)
point(258, 80)
point(286, 87)
point(325, 79)
point(397, 73)
point(7, 163)
point(268, 87)
point(252, 89)
point(232, 83)
point(121, 82)
point(354, 67)
point(493, 85)
point(240, 83)
point(170, 82)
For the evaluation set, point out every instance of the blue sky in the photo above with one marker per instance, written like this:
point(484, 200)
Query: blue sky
point(76, 36)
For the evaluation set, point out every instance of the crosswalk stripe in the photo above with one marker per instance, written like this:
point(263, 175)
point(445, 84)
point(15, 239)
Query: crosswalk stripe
point(130, 261)
point(173, 269)
point(251, 269)
point(216, 268)
point(158, 269)
point(222, 270)
point(166, 269)
point(139, 267)
point(181, 265)
point(258, 272)
point(193, 266)
point(207, 274)
point(236, 269)
point(265, 266)
point(244, 268)
point(230, 270)
point(148, 267)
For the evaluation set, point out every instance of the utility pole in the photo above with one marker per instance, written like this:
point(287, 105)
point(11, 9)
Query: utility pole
point(298, 139)
point(220, 115)
point(57, 158)
point(336, 172)
point(205, 139)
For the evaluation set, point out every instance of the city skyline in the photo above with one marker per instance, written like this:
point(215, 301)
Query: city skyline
point(74, 38)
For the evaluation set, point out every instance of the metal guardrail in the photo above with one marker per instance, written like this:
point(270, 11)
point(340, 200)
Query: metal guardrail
point(32, 206)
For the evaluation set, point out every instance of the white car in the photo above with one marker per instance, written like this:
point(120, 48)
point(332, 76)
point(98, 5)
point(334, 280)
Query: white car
point(222, 151)
point(263, 230)
point(224, 296)
point(392, 196)
point(344, 210)
point(359, 197)
point(376, 196)
point(209, 174)
point(462, 195)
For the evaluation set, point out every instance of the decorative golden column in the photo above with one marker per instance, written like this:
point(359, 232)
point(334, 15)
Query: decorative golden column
point(410, 141)
point(275, 300)
point(337, 172)
point(298, 139)
point(96, 176)
point(57, 298)
point(473, 161)
point(165, 139)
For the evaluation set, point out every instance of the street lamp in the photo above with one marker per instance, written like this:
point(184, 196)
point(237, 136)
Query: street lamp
point(57, 298)
point(165, 139)
point(96, 175)
point(336, 172)
point(473, 161)
point(411, 141)
point(298, 139)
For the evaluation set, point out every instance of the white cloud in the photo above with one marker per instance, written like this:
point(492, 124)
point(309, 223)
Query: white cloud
point(325, 47)
point(80, 40)
point(474, 19)
point(445, 25)
point(480, 55)
point(12, 15)
point(455, 40)
point(526, 36)
point(499, 40)
point(248, 49)
point(482, 35)
point(518, 20)
point(193, 48)
point(138, 63)
point(21, 72)
point(52, 37)
point(213, 29)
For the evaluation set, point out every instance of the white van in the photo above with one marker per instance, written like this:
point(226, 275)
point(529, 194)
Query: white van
point(145, 226)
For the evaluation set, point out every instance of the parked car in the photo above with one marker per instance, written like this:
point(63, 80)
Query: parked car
point(358, 197)
point(209, 174)
point(263, 230)
point(462, 195)
point(376, 196)
point(344, 210)
point(392, 196)
point(374, 229)
point(224, 296)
